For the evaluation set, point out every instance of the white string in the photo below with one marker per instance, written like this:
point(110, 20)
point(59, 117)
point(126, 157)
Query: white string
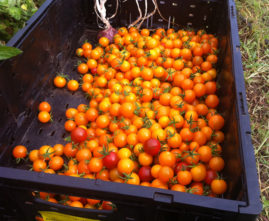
point(146, 10)
point(116, 11)
point(153, 12)
point(100, 11)
point(139, 17)
point(159, 12)
point(95, 9)
point(98, 16)
point(100, 8)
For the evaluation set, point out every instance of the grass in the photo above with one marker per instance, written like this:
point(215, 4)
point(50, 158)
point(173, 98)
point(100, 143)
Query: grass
point(253, 20)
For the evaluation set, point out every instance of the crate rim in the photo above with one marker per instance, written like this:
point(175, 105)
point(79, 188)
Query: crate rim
point(244, 130)
point(43, 181)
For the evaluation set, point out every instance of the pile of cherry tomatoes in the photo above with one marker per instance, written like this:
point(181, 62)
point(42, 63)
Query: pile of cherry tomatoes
point(152, 116)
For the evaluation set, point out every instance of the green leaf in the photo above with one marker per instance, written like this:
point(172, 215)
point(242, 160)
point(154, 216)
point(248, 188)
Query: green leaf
point(3, 26)
point(10, 2)
point(266, 203)
point(15, 12)
point(8, 52)
point(4, 3)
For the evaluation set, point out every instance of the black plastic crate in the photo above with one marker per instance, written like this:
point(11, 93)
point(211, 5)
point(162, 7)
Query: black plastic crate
point(48, 42)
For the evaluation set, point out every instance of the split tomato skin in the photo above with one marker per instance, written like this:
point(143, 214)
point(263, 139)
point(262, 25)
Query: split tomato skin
point(111, 160)
point(152, 146)
point(78, 135)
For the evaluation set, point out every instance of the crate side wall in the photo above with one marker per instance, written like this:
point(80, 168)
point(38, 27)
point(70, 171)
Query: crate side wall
point(28, 79)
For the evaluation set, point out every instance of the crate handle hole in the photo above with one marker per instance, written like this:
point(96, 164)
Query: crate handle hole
point(66, 106)
point(12, 140)
point(242, 106)
point(40, 131)
point(52, 133)
point(232, 10)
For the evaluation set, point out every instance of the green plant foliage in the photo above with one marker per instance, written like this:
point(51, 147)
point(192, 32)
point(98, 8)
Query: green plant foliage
point(13, 16)
point(8, 52)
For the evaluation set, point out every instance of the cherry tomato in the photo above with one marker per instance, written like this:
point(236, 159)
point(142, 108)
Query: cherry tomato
point(44, 117)
point(19, 151)
point(83, 68)
point(210, 176)
point(39, 165)
point(145, 174)
point(59, 81)
point(181, 166)
point(218, 186)
point(78, 135)
point(72, 85)
point(56, 163)
point(110, 161)
point(152, 146)
point(44, 106)
point(107, 205)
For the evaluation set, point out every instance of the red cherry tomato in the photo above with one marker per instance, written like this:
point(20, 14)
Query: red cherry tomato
point(152, 146)
point(94, 70)
point(78, 135)
point(210, 176)
point(181, 166)
point(106, 205)
point(110, 161)
point(145, 174)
